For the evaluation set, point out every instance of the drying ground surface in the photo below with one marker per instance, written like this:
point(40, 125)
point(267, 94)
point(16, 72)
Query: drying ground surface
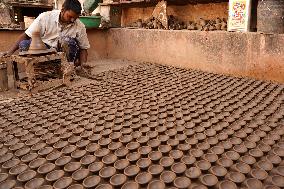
point(146, 125)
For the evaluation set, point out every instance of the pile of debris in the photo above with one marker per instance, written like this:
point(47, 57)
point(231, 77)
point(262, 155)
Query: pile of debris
point(175, 24)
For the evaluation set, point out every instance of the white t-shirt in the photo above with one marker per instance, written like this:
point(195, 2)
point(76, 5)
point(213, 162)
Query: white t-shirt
point(51, 29)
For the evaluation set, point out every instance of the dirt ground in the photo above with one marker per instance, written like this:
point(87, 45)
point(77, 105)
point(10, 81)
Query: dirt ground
point(97, 67)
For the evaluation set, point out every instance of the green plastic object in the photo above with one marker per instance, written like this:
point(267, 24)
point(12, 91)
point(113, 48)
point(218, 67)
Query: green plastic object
point(90, 5)
point(91, 21)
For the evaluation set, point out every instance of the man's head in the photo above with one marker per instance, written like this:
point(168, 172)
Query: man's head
point(71, 9)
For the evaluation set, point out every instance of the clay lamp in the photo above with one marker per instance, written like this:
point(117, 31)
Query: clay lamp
point(193, 172)
point(197, 153)
point(143, 139)
point(191, 141)
point(8, 184)
point(54, 155)
point(235, 140)
point(118, 180)
point(188, 160)
point(155, 170)
point(226, 184)
point(203, 165)
point(210, 132)
point(172, 142)
point(126, 139)
point(136, 134)
point(182, 182)
point(104, 142)
point(131, 170)
point(72, 166)
point(11, 163)
point(109, 159)
point(250, 160)
point(69, 149)
point(34, 183)
point(209, 180)
point(167, 177)
point(63, 182)
point(152, 134)
point(92, 147)
point(188, 132)
point(82, 143)
point(256, 153)
point(274, 159)
point(203, 146)
point(63, 160)
point(26, 176)
point(95, 167)
point(75, 186)
point(143, 163)
point(253, 138)
point(236, 177)
point(164, 149)
point(102, 152)
point(178, 168)
point(60, 144)
point(241, 148)
point(3, 176)
point(12, 148)
point(176, 154)
point(155, 156)
point(268, 141)
point(121, 164)
point(212, 140)
point(232, 155)
point(97, 137)
point(184, 147)
point(87, 159)
point(277, 180)
point(114, 145)
point(265, 165)
point(80, 174)
point(225, 162)
point(259, 174)
point(156, 184)
point(253, 183)
point(242, 167)
point(217, 150)
point(249, 144)
point(154, 143)
point(107, 172)
point(37, 163)
point(166, 162)
point(91, 181)
point(54, 175)
point(210, 157)
point(218, 171)
point(46, 168)
point(144, 150)
point(278, 151)
point(6, 157)
point(133, 157)
point(130, 185)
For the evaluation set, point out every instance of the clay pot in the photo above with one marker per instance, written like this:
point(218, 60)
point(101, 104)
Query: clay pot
point(133, 157)
point(155, 170)
point(274, 159)
point(182, 182)
point(249, 144)
point(102, 152)
point(165, 149)
point(118, 180)
point(259, 174)
point(210, 157)
point(193, 172)
point(217, 150)
point(209, 180)
point(226, 184)
point(225, 162)
point(278, 151)
point(121, 152)
point(6, 157)
point(131, 170)
point(88, 159)
point(197, 153)
point(218, 171)
point(167, 177)
point(121, 164)
point(256, 153)
point(280, 170)
point(46, 168)
point(54, 175)
point(34, 183)
point(11, 163)
point(91, 181)
point(92, 147)
point(8, 184)
point(253, 183)
point(63, 160)
point(241, 148)
point(95, 167)
point(80, 174)
point(107, 172)
point(63, 182)
point(242, 167)
point(109, 159)
point(3, 176)
point(53, 155)
point(212, 140)
point(26, 176)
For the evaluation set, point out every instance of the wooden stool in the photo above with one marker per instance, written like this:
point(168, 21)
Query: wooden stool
point(29, 62)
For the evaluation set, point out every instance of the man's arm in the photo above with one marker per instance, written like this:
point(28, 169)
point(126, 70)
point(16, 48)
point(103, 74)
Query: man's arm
point(15, 47)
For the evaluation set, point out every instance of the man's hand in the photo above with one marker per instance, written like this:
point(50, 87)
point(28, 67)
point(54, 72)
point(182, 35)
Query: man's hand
point(5, 54)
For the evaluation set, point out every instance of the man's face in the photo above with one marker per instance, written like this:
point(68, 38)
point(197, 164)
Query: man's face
point(68, 16)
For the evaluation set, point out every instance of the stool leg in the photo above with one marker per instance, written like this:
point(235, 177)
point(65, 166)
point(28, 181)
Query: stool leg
point(11, 74)
point(30, 73)
point(67, 69)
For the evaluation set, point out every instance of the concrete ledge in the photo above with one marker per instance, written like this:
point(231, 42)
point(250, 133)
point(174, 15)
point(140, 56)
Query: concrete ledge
point(240, 54)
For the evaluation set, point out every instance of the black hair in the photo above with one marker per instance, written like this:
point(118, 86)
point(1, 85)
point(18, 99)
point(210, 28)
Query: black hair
point(73, 5)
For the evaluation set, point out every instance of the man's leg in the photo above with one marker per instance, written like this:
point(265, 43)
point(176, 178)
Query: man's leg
point(24, 45)
point(71, 48)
